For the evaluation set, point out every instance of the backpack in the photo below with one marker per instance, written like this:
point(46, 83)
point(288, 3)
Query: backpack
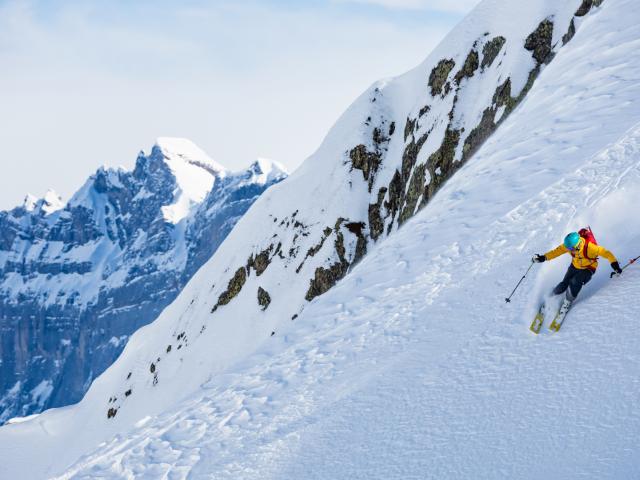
point(588, 236)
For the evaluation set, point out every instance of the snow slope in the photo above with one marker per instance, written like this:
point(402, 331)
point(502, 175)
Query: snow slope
point(186, 162)
point(412, 366)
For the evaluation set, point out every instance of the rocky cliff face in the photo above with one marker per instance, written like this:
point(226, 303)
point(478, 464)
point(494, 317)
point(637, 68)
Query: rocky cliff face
point(77, 279)
point(402, 140)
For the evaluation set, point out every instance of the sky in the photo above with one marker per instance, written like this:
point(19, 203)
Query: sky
point(91, 83)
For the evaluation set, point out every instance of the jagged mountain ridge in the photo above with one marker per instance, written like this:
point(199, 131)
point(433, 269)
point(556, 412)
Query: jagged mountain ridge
point(77, 279)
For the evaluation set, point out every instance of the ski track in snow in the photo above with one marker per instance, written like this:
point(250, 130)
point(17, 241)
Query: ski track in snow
point(426, 372)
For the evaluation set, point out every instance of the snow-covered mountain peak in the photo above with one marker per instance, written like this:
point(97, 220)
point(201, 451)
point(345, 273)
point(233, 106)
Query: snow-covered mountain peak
point(264, 170)
point(195, 173)
point(49, 203)
point(29, 202)
point(185, 150)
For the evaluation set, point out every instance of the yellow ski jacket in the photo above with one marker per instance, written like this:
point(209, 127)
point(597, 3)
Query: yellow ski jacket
point(580, 261)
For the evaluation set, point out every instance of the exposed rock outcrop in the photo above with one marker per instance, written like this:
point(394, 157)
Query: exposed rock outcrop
point(539, 42)
point(439, 75)
point(491, 50)
point(264, 299)
point(233, 288)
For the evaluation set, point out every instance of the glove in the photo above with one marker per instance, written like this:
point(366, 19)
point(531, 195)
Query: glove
point(616, 267)
point(538, 258)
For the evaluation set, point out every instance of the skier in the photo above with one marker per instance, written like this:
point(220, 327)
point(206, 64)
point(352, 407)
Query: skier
point(585, 252)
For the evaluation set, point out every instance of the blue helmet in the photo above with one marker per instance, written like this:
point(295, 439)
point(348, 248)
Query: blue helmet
point(571, 240)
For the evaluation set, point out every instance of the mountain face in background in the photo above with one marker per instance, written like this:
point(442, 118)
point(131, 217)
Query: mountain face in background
point(77, 279)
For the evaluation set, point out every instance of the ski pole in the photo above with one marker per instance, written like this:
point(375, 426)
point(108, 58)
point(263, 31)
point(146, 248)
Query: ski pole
point(633, 260)
point(508, 299)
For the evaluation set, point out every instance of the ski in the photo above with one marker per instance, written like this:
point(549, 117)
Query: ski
point(560, 316)
point(536, 325)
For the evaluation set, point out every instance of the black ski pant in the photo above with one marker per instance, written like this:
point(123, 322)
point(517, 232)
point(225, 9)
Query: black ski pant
point(573, 281)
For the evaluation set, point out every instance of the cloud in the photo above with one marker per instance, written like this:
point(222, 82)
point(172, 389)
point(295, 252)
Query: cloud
point(444, 6)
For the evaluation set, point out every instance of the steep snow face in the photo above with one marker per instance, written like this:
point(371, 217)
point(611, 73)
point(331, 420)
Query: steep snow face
point(75, 282)
point(187, 162)
point(254, 372)
point(188, 152)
